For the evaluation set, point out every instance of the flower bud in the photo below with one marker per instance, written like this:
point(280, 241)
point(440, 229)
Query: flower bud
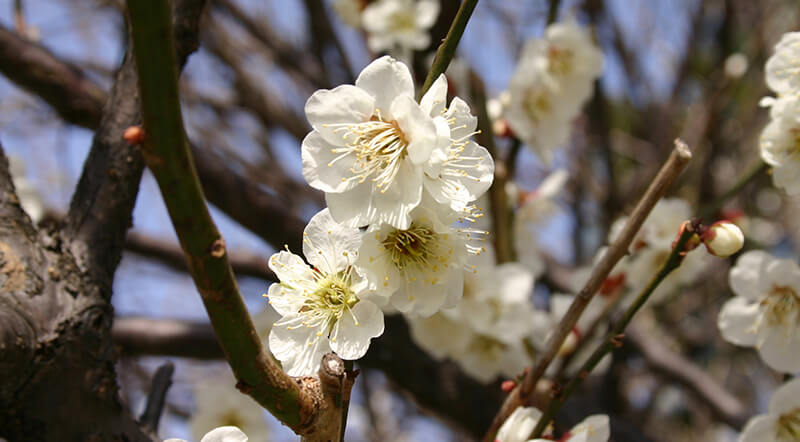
point(723, 239)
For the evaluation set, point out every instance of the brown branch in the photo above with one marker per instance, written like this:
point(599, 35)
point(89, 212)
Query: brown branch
point(438, 387)
point(244, 264)
point(294, 60)
point(251, 95)
point(674, 165)
point(683, 371)
point(252, 207)
point(63, 86)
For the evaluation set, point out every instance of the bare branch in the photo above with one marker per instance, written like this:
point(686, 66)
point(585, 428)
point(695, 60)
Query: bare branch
point(674, 165)
point(244, 264)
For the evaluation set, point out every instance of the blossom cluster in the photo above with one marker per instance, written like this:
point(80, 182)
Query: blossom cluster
point(553, 80)
point(400, 179)
point(780, 140)
point(496, 330)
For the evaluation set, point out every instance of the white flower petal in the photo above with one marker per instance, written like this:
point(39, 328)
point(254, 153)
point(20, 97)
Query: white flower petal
point(322, 168)
point(434, 101)
point(299, 348)
point(225, 434)
point(594, 428)
point(329, 245)
point(519, 425)
point(758, 429)
point(417, 126)
point(745, 277)
point(738, 320)
point(353, 338)
point(786, 398)
point(426, 13)
point(327, 110)
point(385, 79)
point(779, 347)
point(782, 68)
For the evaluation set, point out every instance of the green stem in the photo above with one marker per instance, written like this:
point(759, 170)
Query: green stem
point(552, 11)
point(612, 341)
point(754, 171)
point(447, 50)
point(166, 152)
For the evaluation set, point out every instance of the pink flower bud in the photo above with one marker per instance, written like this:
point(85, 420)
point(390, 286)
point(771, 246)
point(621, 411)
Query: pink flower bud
point(723, 239)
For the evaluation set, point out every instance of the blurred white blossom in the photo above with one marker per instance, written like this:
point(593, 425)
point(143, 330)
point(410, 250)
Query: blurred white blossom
point(520, 424)
point(765, 313)
point(219, 404)
point(782, 421)
point(399, 24)
point(553, 80)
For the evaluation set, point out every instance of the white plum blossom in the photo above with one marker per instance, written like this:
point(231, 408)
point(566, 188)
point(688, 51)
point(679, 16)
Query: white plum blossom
point(765, 313)
point(536, 113)
point(551, 85)
point(485, 332)
point(782, 421)
point(783, 66)
point(520, 424)
point(325, 307)
point(219, 404)
point(374, 147)
point(399, 24)
point(220, 434)
point(780, 143)
point(421, 267)
point(459, 170)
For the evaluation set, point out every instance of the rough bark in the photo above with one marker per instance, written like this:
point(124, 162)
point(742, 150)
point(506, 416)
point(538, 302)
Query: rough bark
point(59, 381)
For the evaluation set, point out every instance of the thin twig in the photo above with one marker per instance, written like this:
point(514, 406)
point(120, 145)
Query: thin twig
point(613, 340)
point(677, 368)
point(447, 50)
point(166, 152)
point(674, 165)
point(162, 380)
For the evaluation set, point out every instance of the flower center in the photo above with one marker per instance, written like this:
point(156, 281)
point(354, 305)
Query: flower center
point(487, 345)
point(329, 301)
point(560, 61)
point(403, 21)
point(414, 247)
point(782, 305)
point(536, 105)
point(378, 147)
point(787, 427)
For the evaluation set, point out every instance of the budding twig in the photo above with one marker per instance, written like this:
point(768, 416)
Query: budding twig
point(674, 165)
point(616, 336)
point(166, 152)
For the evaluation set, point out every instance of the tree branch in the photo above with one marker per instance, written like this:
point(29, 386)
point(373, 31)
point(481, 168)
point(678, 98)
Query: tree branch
point(683, 371)
point(166, 152)
point(101, 207)
point(674, 165)
point(244, 264)
point(255, 209)
point(62, 85)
